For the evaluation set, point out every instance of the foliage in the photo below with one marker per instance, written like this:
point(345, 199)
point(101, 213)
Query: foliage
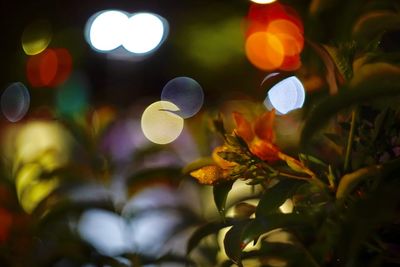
point(329, 200)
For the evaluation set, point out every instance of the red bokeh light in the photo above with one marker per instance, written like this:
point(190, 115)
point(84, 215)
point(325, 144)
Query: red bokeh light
point(49, 68)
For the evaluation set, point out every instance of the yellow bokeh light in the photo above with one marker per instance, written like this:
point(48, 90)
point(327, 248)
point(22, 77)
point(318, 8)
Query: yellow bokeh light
point(263, 1)
point(36, 147)
point(159, 124)
point(36, 37)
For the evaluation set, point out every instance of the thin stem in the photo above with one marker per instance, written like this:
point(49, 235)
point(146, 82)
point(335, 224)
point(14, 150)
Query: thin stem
point(350, 140)
point(289, 175)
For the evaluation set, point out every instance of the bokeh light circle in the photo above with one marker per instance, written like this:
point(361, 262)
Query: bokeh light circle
point(263, 1)
point(36, 37)
point(274, 37)
point(160, 124)
point(286, 95)
point(49, 68)
point(186, 93)
point(143, 33)
point(106, 29)
point(15, 102)
point(264, 50)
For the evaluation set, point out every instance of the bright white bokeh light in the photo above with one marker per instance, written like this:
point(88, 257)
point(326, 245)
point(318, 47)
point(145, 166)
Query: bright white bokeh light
point(160, 124)
point(263, 1)
point(143, 33)
point(107, 29)
point(286, 95)
point(104, 230)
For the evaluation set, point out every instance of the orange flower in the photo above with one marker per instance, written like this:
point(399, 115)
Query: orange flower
point(212, 174)
point(259, 135)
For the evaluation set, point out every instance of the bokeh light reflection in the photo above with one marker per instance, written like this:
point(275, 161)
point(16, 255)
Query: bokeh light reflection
point(49, 68)
point(286, 95)
point(72, 96)
point(105, 30)
point(36, 37)
point(274, 37)
point(138, 33)
point(104, 230)
point(15, 102)
point(186, 94)
point(263, 1)
point(144, 33)
point(159, 123)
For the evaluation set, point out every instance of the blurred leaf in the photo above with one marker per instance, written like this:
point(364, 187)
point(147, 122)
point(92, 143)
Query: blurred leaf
point(309, 158)
point(335, 138)
point(197, 164)
point(244, 210)
point(220, 192)
point(205, 230)
point(233, 242)
point(274, 197)
point(172, 174)
point(371, 82)
point(375, 23)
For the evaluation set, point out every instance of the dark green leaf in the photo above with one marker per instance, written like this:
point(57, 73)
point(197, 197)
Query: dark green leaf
point(274, 197)
point(220, 192)
point(336, 139)
point(205, 230)
point(233, 242)
point(371, 82)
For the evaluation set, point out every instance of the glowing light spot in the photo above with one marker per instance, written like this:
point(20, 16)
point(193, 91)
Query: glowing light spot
point(286, 95)
point(36, 37)
point(105, 30)
point(287, 206)
point(186, 93)
point(264, 50)
point(144, 33)
point(263, 1)
point(159, 124)
point(15, 102)
point(49, 68)
point(72, 96)
point(104, 230)
point(285, 26)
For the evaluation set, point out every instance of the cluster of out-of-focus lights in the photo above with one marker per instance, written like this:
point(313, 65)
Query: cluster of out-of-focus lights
point(36, 37)
point(49, 68)
point(138, 33)
point(181, 98)
point(274, 38)
point(15, 102)
point(286, 95)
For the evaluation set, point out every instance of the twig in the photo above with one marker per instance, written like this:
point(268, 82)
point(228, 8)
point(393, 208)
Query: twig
point(350, 140)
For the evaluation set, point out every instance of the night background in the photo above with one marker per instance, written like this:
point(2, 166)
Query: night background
point(238, 133)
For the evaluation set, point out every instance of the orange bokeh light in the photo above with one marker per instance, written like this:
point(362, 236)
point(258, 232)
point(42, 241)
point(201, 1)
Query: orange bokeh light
point(264, 50)
point(49, 68)
point(274, 37)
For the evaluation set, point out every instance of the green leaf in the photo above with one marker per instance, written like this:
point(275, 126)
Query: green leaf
point(205, 230)
point(371, 82)
point(233, 242)
point(197, 164)
point(375, 23)
point(335, 138)
point(309, 158)
point(274, 197)
point(220, 192)
point(349, 181)
point(244, 232)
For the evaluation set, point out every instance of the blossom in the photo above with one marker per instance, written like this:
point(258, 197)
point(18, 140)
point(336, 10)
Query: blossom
point(259, 135)
point(214, 173)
